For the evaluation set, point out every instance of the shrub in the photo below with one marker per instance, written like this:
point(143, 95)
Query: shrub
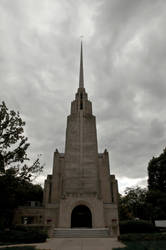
point(136, 226)
point(25, 236)
point(143, 237)
point(19, 248)
point(144, 245)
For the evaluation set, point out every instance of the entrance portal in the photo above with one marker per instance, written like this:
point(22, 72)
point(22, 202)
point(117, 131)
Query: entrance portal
point(81, 217)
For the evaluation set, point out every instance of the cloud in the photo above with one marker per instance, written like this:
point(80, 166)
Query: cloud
point(132, 82)
point(124, 61)
point(131, 182)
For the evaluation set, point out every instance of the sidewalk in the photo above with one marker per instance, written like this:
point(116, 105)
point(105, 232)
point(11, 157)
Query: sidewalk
point(77, 244)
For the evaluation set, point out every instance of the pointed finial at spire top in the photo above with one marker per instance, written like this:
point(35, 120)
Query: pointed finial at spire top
point(81, 80)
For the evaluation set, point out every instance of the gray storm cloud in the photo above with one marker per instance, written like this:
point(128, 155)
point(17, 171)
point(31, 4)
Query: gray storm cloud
point(124, 61)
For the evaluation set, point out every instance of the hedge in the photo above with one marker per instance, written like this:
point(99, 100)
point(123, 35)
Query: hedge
point(143, 237)
point(136, 226)
point(22, 236)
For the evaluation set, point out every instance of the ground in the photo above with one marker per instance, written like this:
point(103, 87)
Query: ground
point(78, 244)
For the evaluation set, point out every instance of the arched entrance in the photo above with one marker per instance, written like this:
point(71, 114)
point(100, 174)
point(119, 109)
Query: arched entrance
point(81, 217)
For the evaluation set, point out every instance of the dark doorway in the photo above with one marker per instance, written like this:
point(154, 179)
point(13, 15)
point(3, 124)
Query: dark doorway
point(81, 217)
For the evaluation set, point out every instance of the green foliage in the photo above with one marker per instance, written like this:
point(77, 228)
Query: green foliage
point(133, 204)
point(15, 174)
point(137, 202)
point(157, 173)
point(124, 210)
point(157, 186)
point(157, 204)
point(11, 134)
point(136, 226)
point(27, 236)
point(144, 245)
point(14, 145)
point(15, 192)
point(27, 228)
point(143, 241)
point(19, 248)
point(142, 236)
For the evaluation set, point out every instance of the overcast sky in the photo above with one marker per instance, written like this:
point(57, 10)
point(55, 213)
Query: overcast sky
point(125, 75)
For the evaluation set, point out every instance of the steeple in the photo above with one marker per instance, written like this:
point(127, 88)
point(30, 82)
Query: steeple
point(81, 102)
point(81, 150)
point(81, 80)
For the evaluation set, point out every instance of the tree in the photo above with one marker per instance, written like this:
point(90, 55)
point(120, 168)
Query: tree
point(15, 192)
point(156, 201)
point(157, 186)
point(14, 145)
point(124, 209)
point(157, 173)
point(133, 204)
point(15, 174)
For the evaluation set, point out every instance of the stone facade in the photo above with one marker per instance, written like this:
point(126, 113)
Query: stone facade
point(81, 176)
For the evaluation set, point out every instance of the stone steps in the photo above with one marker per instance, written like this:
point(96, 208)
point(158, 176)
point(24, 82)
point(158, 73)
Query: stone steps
point(80, 233)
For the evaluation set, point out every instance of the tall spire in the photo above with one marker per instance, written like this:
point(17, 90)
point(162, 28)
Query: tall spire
point(81, 80)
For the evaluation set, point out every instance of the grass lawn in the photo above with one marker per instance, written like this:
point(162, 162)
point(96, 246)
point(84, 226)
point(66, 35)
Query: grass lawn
point(144, 245)
point(19, 248)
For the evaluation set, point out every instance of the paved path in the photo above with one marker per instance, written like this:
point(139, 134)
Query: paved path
point(78, 244)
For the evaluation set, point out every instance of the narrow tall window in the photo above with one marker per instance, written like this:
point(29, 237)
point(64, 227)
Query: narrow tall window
point(49, 195)
point(112, 192)
point(81, 101)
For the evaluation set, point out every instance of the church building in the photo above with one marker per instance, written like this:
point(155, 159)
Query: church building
point(80, 193)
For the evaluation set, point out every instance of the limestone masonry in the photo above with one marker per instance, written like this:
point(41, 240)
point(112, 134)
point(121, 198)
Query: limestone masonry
point(80, 193)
